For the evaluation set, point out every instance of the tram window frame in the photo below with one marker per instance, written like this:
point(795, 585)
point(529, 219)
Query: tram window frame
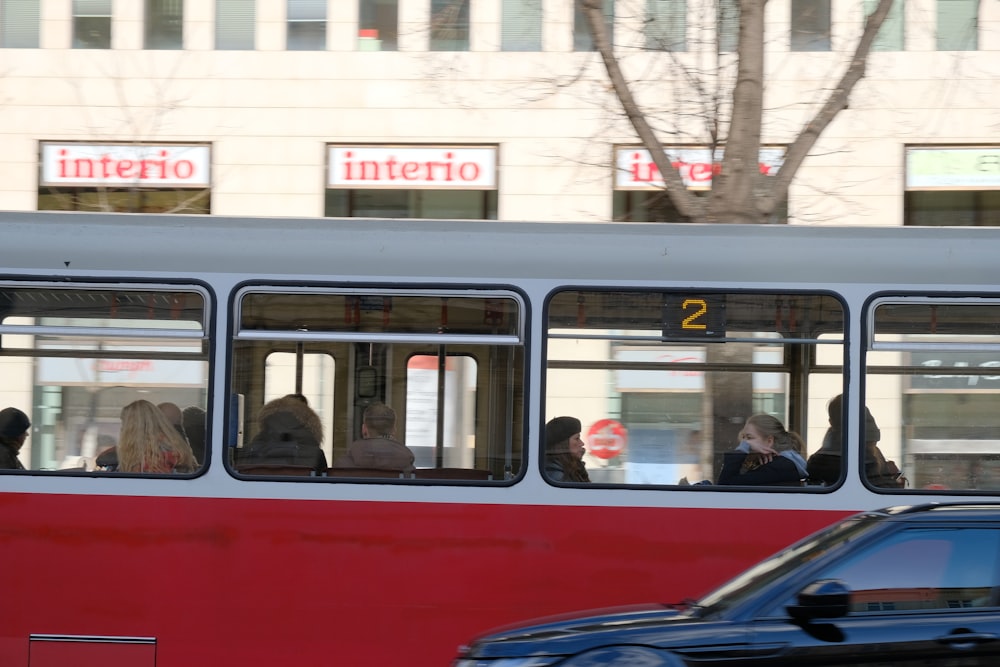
point(678, 322)
point(381, 327)
point(936, 424)
point(130, 335)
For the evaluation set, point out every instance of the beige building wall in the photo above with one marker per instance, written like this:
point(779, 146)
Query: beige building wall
point(269, 113)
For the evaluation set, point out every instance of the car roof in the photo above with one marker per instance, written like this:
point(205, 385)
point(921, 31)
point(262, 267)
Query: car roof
point(944, 511)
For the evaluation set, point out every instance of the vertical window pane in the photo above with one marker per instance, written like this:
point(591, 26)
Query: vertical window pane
point(88, 351)
point(91, 24)
point(957, 25)
point(810, 25)
point(449, 25)
point(891, 35)
point(931, 382)
point(521, 28)
point(306, 25)
point(235, 23)
point(582, 39)
point(728, 25)
point(378, 25)
point(164, 24)
point(666, 25)
point(19, 24)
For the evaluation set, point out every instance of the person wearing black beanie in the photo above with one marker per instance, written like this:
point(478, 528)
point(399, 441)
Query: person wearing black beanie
point(564, 451)
point(14, 426)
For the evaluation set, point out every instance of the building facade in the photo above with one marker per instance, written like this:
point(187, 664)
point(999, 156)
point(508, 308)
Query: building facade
point(481, 109)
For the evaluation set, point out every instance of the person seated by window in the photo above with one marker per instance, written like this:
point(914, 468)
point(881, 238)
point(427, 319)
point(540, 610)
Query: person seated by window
point(564, 450)
point(378, 448)
point(767, 455)
point(193, 419)
point(149, 443)
point(14, 426)
point(289, 433)
point(825, 464)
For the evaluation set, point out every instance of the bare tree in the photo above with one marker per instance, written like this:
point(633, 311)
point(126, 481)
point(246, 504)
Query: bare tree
point(739, 192)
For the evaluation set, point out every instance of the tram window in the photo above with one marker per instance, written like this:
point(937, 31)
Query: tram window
point(450, 363)
point(75, 355)
point(933, 383)
point(663, 382)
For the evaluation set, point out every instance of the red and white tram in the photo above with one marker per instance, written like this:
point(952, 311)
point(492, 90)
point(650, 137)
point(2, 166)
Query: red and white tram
point(661, 339)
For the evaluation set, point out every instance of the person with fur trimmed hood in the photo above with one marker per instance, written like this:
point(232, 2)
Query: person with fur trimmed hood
point(289, 433)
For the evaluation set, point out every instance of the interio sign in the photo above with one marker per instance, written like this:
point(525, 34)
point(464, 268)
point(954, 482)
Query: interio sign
point(108, 165)
point(412, 167)
point(635, 169)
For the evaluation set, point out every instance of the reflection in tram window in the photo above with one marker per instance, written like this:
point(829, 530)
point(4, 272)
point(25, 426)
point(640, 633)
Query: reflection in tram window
point(80, 353)
point(933, 376)
point(664, 381)
point(450, 363)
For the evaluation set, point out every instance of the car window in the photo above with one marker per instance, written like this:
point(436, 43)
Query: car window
point(923, 568)
point(788, 560)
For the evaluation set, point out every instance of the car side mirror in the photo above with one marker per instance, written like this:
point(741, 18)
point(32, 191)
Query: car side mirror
point(824, 598)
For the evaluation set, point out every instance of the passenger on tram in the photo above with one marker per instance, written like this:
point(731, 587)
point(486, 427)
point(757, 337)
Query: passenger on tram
point(564, 450)
point(378, 448)
point(289, 433)
point(768, 454)
point(193, 418)
point(148, 442)
point(14, 426)
point(174, 415)
point(825, 464)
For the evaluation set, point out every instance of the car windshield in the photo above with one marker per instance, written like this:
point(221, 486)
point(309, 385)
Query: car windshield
point(785, 561)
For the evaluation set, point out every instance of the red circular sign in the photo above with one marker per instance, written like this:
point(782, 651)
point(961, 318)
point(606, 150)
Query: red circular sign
point(606, 439)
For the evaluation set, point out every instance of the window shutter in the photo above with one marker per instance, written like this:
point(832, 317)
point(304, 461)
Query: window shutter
point(957, 25)
point(19, 23)
point(891, 35)
point(307, 10)
point(666, 25)
point(522, 25)
point(235, 24)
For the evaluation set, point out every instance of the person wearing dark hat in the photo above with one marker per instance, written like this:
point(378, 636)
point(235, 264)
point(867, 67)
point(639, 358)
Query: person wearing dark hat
point(564, 451)
point(825, 465)
point(14, 426)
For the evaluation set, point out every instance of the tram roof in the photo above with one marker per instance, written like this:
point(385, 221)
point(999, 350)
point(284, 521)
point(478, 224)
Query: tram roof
point(69, 243)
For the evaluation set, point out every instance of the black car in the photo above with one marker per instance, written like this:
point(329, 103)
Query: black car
point(917, 585)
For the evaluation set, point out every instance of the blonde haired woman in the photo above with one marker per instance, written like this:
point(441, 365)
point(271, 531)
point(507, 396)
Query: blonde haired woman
point(149, 442)
point(768, 454)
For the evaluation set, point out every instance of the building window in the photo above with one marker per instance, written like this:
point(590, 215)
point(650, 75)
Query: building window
point(378, 181)
point(952, 186)
point(810, 25)
point(640, 192)
point(891, 35)
point(378, 25)
point(449, 25)
point(164, 24)
point(125, 178)
point(957, 25)
point(521, 28)
point(728, 25)
point(582, 39)
point(306, 25)
point(19, 24)
point(235, 25)
point(666, 25)
point(91, 24)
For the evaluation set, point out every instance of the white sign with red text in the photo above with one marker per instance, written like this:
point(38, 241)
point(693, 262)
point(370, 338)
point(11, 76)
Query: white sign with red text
point(126, 164)
point(412, 167)
point(635, 170)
